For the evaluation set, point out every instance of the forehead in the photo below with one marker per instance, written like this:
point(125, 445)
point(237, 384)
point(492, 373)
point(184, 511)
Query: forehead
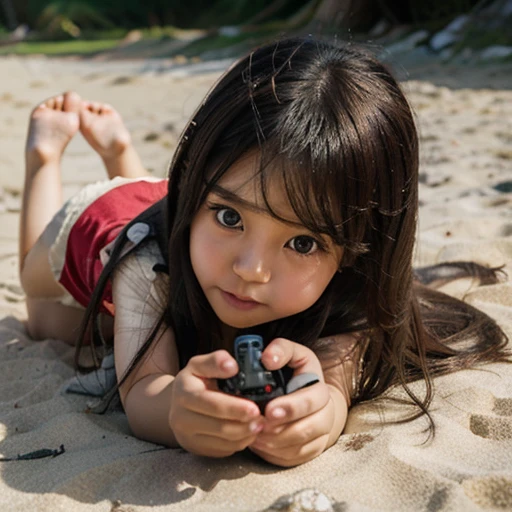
point(244, 183)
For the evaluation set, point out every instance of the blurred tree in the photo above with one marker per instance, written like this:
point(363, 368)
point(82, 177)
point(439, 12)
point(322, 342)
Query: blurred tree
point(424, 11)
point(346, 14)
point(9, 14)
point(356, 14)
point(67, 18)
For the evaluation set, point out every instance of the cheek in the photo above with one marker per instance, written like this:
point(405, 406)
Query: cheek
point(304, 288)
point(205, 250)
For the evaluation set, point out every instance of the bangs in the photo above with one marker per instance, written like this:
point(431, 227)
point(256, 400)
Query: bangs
point(340, 143)
point(321, 197)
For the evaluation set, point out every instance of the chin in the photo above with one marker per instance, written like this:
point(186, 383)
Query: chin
point(238, 324)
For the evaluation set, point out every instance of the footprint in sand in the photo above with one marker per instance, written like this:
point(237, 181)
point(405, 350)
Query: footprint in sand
point(491, 492)
point(495, 491)
point(491, 427)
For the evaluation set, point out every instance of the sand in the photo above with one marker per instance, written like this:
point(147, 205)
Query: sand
point(465, 121)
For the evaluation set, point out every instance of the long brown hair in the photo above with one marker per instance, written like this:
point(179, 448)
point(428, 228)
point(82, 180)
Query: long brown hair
point(333, 124)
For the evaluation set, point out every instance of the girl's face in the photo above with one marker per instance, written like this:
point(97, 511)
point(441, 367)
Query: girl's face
point(252, 267)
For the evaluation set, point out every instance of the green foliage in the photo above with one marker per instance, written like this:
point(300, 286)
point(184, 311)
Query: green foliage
point(236, 12)
point(478, 36)
point(231, 45)
point(98, 14)
point(62, 19)
point(70, 15)
point(59, 48)
point(165, 19)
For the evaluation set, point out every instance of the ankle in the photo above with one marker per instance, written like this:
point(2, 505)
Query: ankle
point(113, 148)
point(115, 156)
point(41, 155)
point(125, 164)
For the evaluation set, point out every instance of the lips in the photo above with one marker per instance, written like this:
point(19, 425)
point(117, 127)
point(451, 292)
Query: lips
point(239, 301)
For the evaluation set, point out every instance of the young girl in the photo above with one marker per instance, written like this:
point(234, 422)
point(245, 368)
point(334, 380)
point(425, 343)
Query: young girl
point(290, 212)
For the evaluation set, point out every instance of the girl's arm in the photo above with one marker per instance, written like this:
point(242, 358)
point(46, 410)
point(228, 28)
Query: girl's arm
point(146, 394)
point(164, 404)
point(139, 298)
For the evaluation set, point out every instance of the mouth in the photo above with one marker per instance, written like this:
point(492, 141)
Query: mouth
point(239, 301)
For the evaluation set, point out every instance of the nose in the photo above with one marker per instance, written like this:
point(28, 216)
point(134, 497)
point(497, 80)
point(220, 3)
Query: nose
point(252, 263)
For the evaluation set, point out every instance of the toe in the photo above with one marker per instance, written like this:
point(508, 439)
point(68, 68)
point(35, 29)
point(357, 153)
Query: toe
point(95, 107)
point(58, 101)
point(54, 103)
point(107, 109)
point(72, 102)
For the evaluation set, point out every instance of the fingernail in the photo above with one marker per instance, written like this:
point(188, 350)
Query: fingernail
point(278, 412)
point(228, 365)
point(253, 412)
point(276, 355)
point(255, 426)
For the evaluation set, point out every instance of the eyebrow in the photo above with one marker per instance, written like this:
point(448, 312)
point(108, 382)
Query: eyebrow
point(234, 198)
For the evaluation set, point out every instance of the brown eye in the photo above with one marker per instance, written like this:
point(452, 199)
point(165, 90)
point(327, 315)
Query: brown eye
point(228, 217)
point(303, 244)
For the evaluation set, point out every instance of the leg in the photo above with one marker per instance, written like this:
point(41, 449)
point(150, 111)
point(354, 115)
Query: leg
point(51, 319)
point(103, 128)
point(53, 123)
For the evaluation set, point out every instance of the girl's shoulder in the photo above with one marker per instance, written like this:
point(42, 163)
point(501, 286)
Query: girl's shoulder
point(345, 346)
point(140, 275)
point(145, 260)
point(140, 294)
point(343, 363)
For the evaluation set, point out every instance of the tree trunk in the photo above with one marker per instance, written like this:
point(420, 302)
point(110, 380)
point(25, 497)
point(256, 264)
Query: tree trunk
point(345, 13)
point(9, 13)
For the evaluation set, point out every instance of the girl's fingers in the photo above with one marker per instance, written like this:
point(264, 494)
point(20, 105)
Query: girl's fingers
point(195, 388)
point(292, 455)
point(231, 430)
point(281, 352)
point(301, 403)
point(215, 365)
point(296, 442)
point(297, 405)
point(210, 446)
point(298, 432)
point(203, 371)
point(221, 405)
point(210, 436)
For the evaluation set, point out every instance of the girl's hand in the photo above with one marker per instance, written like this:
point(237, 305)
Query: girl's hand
point(205, 421)
point(298, 426)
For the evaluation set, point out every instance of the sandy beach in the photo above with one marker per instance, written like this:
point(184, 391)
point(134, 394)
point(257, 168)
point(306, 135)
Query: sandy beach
point(465, 122)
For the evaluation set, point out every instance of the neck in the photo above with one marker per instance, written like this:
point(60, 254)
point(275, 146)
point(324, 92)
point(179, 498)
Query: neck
point(228, 335)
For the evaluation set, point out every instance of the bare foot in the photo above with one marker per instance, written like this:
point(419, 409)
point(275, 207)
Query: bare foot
point(53, 124)
point(103, 128)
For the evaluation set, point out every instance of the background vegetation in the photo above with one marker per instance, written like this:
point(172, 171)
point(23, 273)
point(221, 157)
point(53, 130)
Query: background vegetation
point(129, 14)
point(219, 23)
